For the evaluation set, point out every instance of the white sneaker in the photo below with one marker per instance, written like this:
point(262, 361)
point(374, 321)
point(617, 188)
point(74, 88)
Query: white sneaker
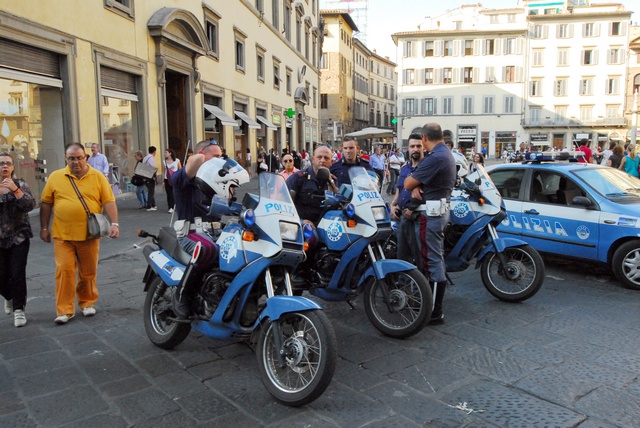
point(170, 210)
point(152, 209)
point(63, 319)
point(89, 311)
point(19, 319)
point(8, 307)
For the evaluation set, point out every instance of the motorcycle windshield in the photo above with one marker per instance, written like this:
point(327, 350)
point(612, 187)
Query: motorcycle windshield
point(489, 190)
point(273, 187)
point(360, 180)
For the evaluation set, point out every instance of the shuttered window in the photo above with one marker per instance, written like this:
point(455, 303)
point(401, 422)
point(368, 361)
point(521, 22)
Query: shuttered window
point(30, 59)
point(117, 80)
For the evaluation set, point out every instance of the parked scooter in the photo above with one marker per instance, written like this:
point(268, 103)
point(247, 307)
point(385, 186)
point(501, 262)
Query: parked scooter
point(349, 259)
point(243, 291)
point(511, 270)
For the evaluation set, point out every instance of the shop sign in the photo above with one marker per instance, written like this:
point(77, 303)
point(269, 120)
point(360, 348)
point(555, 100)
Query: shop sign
point(467, 130)
point(539, 137)
point(276, 118)
point(505, 135)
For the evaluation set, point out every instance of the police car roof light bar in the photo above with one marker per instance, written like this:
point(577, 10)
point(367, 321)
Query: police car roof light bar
point(570, 156)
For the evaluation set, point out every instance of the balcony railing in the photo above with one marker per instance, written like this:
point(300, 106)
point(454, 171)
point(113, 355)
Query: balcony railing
point(564, 123)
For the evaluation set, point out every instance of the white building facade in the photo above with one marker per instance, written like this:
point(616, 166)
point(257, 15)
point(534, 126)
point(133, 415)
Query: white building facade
point(492, 76)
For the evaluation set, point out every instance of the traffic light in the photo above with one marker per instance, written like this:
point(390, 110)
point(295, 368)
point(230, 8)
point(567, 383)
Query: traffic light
point(394, 121)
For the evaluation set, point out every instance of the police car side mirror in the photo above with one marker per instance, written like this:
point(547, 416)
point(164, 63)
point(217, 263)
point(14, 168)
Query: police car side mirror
point(581, 201)
point(478, 181)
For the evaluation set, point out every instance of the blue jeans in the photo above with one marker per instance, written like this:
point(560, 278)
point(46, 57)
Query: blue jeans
point(407, 247)
point(393, 179)
point(141, 194)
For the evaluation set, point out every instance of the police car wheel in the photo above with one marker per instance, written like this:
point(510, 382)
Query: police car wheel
point(626, 264)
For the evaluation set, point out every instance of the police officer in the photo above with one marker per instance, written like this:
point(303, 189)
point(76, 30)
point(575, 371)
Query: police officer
point(350, 158)
point(309, 190)
point(433, 182)
point(402, 206)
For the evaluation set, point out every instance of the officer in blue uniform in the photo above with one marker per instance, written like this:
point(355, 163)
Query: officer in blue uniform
point(309, 190)
point(433, 182)
point(350, 158)
point(402, 206)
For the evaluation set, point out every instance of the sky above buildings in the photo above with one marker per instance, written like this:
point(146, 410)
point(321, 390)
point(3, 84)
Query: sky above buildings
point(386, 17)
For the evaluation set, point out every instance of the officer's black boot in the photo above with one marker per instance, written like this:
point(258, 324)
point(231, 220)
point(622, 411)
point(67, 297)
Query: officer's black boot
point(180, 303)
point(437, 316)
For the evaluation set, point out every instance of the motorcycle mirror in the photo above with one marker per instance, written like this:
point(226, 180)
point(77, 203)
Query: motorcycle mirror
point(222, 172)
point(323, 174)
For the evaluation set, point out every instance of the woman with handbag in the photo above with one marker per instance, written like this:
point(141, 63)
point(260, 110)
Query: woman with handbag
point(171, 165)
point(15, 232)
point(138, 181)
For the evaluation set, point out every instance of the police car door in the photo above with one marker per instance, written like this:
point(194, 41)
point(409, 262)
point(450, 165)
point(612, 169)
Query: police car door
point(508, 181)
point(551, 223)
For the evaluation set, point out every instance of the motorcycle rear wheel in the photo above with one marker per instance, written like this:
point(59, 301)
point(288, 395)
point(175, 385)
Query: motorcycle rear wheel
point(162, 332)
point(521, 280)
point(310, 348)
point(411, 302)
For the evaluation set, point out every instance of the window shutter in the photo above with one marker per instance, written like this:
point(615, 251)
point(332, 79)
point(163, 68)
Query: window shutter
point(569, 31)
point(504, 74)
point(435, 106)
point(437, 76)
point(519, 46)
point(476, 74)
point(545, 31)
point(596, 29)
point(117, 80)
point(620, 59)
point(595, 57)
point(438, 46)
point(518, 77)
point(456, 47)
point(456, 73)
point(582, 57)
point(27, 58)
point(623, 29)
point(477, 46)
point(497, 47)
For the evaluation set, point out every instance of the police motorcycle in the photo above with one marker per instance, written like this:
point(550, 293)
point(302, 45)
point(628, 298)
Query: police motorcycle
point(241, 289)
point(511, 270)
point(348, 259)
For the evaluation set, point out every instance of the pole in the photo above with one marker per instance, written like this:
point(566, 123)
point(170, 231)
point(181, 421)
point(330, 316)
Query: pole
point(634, 119)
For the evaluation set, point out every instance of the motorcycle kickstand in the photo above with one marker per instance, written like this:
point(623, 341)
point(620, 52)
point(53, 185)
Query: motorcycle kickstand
point(351, 305)
point(448, 278)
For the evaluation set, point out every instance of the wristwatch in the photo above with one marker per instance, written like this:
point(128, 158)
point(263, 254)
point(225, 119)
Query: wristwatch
point(115, 224)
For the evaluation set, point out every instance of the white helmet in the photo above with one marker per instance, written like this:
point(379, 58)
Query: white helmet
point(217, 176)
point(462, 167)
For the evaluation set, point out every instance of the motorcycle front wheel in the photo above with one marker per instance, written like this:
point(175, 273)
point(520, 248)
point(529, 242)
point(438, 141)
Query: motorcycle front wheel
point(519, 280)
point(162, 332)
point(309, 347)
point(403, 308)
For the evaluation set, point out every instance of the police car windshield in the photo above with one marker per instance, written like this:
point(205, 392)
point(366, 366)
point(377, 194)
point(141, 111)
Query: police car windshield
point(360, 179)
point(610, 182)
point(273, 186)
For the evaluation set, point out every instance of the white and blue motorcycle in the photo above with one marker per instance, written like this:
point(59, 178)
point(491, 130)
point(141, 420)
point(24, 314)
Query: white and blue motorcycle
point(348, 259)
point(240, 289)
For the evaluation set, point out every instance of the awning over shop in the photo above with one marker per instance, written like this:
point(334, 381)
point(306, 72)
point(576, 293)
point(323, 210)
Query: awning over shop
point(220, 114)
point(252, 123)
point(270, 126)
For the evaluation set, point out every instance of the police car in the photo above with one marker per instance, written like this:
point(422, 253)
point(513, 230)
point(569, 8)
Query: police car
point(562, 207)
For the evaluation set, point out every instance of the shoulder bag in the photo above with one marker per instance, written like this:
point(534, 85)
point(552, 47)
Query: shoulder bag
point(98, 225)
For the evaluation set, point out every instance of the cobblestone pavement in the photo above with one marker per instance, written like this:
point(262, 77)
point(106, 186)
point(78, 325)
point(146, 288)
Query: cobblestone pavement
point(566, 357)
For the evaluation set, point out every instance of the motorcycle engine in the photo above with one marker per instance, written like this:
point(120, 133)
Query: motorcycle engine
point(213, 288)
point(324, 266)
point(452, 234)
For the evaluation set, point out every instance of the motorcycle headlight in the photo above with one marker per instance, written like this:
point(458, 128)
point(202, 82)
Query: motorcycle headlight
point(379, 213)
point(289, 231)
